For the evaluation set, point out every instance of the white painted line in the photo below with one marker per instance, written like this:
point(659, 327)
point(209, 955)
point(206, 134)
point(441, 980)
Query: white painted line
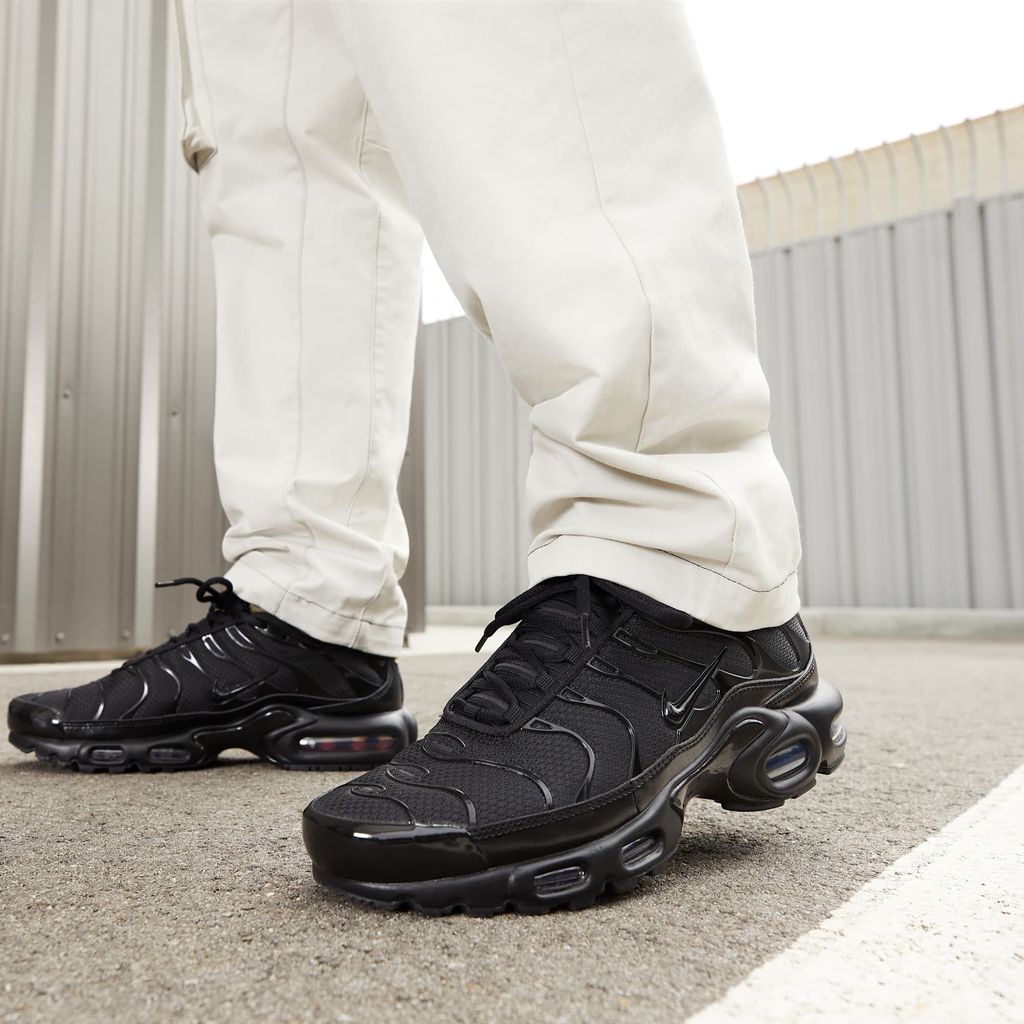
point(938, 937)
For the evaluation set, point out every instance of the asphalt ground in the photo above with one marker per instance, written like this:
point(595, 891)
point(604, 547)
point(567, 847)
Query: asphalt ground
point(187, 897)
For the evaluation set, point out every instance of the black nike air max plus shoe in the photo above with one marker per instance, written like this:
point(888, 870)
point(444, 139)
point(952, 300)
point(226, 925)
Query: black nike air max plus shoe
point(239, 678)
point(561, 770)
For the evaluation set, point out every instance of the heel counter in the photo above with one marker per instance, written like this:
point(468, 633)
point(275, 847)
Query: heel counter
point(800, 639)
point(393, 693)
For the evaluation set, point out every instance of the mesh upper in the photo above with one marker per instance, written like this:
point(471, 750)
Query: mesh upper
point(778, 645)
point(196, 672)
point(636, 664)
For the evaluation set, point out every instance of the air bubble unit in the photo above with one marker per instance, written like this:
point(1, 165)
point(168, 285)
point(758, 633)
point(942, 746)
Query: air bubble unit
point(641, 851)
point(786, 761)
point(108, 755)
point(347, 744)
point(560, 880)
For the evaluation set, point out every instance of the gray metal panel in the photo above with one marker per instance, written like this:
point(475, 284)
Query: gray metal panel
point(411, 496)
point(19, 27)
point(986, 514)
point(895, 355)
point(470, 528)
point(188, 516)
point(100, 133)
point(777, 350)
point(436, 482)
point(110, 337)
point(871, 372)
point(37, 342)
point(819, 398)
point(1003, 232)
point(106, 332)
point(933, 450)
point(775, 347)
point(883, 360)
point(477, 447)
point(502, 480)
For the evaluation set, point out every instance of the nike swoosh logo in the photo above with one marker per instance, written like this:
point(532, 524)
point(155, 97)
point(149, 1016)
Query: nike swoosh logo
point(218, 694)
point(675, 715)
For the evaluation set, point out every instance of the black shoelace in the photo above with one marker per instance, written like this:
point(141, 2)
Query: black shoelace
point(553, 630)
point(550, 631)
point(225, 607)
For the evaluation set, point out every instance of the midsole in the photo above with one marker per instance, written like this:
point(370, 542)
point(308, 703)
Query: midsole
point(281, 732)
point(152, 728)
point(594, 863)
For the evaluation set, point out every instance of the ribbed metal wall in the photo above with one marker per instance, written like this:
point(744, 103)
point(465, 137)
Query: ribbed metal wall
point(106, 331)
point(106, 336)
point(895, 355)
point(477, 445)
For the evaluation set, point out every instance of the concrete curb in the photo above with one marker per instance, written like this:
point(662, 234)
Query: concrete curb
point(902, 623)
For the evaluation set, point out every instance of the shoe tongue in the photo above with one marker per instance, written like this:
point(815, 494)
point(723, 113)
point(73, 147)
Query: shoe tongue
point(229, 604)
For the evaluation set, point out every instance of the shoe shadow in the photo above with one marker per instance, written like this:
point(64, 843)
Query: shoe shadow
point(704, 853)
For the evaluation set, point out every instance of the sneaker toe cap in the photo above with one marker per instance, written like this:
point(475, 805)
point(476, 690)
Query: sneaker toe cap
point(33, 715)
point(357, 833)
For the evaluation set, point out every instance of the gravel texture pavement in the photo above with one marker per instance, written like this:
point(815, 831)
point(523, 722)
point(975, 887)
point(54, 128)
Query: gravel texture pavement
point(187, 897)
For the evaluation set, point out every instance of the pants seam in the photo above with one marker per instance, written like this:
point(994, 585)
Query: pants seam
point(369, 604)
point(200, 52)
point(288, 593)
point(611, 225)
point(373, 344)
point(682, 558)
point(643, 290)
point(299, 317)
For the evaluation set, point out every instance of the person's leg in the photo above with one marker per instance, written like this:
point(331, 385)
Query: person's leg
point(567, 164)
point(318, 279)
point(317, 264)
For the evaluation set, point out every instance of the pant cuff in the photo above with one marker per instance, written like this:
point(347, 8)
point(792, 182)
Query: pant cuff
point(318, 621)
point(702, 592)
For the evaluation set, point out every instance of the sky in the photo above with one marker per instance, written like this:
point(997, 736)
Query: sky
point(797, 81)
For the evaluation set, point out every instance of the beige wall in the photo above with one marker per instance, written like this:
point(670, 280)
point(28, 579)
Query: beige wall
point(981, 158)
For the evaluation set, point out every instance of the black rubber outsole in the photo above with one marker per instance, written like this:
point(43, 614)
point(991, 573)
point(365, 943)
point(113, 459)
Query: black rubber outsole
point(288, 736)
point(610, 892)
point(741, 770)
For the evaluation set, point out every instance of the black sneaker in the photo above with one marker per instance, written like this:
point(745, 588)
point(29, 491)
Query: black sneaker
point(237, 678)
point(561, 770)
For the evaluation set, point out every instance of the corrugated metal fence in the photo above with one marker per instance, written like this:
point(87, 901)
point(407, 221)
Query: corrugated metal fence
point(897, 357)
point(895, 352)
point(106, 354)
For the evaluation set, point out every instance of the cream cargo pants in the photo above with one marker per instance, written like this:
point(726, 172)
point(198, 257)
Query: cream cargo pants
point(566, 163)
